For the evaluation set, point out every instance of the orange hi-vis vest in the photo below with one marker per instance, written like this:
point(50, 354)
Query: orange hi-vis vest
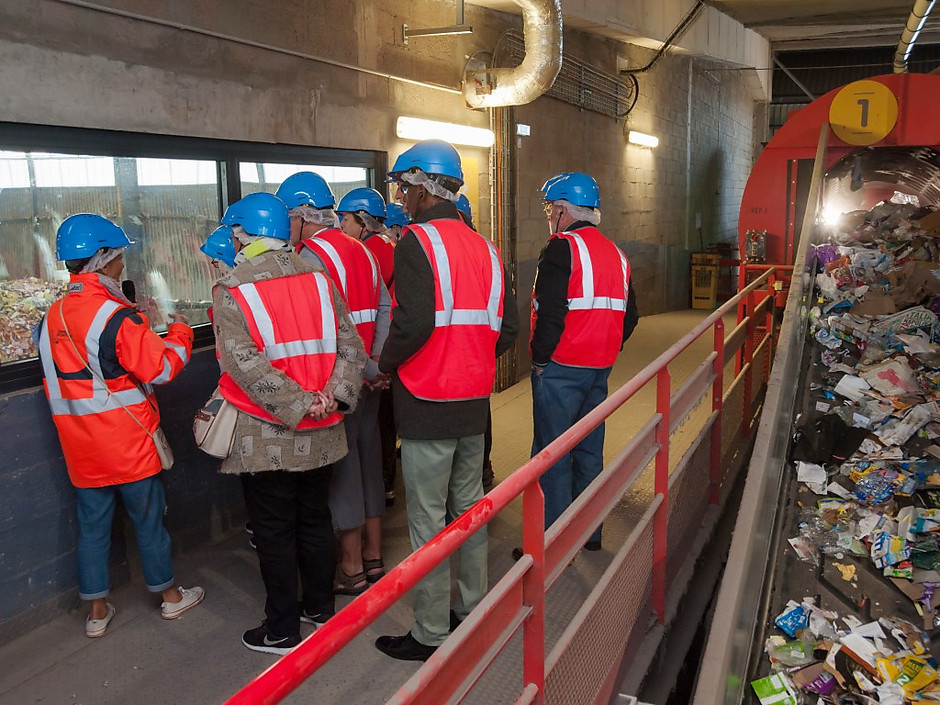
point(292, 321)
point(597, 300)
point(355, 273)
point(384, 253)
point(458, 361)
point(115, 360)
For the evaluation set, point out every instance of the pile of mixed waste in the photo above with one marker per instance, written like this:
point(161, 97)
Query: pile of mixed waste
point(23, 302)
point(868, 455)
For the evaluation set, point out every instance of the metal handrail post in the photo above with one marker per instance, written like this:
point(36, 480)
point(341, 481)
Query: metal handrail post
point(718, 392)
point(533, 591)
point(748, 401)
point(663, 391)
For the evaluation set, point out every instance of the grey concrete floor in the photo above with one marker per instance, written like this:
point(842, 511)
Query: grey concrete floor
point(199, 658)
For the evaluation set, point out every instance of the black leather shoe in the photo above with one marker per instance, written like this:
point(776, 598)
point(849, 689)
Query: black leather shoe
point(404, 648)
point(455, 621)
point(592, 546)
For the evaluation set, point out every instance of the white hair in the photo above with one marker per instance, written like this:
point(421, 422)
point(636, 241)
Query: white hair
point(585, 213)
point(419, 178)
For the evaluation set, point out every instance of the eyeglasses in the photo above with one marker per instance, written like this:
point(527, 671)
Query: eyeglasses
point(214, 263)
point(403, 188)
point(547, 207)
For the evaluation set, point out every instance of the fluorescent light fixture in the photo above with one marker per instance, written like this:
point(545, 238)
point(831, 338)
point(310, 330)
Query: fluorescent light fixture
point(642, 139)
point(523, 130)
point(409, 128)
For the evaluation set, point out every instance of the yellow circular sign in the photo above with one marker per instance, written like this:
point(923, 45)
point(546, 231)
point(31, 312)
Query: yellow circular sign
point(863, 113)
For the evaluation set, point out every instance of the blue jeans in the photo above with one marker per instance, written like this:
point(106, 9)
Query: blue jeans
point(561, 396)
point(145, 503)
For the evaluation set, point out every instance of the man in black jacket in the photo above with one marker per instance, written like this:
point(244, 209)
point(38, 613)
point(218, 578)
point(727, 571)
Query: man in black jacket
point(584, 309)
point(454, 314)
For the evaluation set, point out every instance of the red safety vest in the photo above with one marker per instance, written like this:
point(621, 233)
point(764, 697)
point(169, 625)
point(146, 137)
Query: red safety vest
point(355, 273)
point(384, 253)
point(458, 361)
point(597, 300)
point(300, 341)
point(118, 357)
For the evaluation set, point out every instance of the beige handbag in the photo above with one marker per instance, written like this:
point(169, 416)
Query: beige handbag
point(164, 451)
point(214, 426)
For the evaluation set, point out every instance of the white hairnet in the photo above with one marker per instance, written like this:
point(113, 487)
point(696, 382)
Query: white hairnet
point(371, 224)
point(588, 215)
point(419, 178)
point(272, 243)
point(101, 258)
point(318, 216)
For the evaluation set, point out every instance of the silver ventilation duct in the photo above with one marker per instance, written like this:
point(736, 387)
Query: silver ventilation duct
point(915, 23)
point(497, 87)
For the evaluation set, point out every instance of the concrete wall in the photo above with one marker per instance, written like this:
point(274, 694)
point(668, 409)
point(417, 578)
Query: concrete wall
point(237, 69)
point(38, 527)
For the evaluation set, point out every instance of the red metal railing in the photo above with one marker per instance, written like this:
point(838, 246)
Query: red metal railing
point(518, 598)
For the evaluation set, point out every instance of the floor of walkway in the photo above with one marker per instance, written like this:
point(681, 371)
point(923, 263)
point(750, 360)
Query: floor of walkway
point(199, 658)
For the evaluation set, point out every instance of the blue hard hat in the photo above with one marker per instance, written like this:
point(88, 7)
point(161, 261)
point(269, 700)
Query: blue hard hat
point(576, 188)
point(219, 245)
point(260, 214)
point(431, 157)
point(83, 234)
point(463, 205)
point(396, 215)
point(363, 199)
point(306, 189)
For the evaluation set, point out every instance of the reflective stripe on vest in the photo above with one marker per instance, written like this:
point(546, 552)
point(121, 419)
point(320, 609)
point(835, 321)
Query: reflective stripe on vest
point(102, 398)
point(274, 350)
point(587, 300)
point(451, 316)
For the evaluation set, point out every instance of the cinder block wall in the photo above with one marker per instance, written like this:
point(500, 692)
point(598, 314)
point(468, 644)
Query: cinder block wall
point(71, 66)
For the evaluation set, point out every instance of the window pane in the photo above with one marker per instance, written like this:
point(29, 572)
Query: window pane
point(167, 207)
point(257, 176)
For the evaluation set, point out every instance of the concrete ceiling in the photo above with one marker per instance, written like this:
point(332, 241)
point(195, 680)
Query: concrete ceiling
point(827, 24)
point(787, 24)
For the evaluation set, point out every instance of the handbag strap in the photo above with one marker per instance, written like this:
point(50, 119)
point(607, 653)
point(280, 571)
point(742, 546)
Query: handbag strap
point(97, 377)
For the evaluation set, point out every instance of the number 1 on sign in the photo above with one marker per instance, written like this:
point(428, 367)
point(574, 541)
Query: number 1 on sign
point(864, 103)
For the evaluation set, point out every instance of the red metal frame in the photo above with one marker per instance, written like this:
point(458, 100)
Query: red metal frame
point(518, 599)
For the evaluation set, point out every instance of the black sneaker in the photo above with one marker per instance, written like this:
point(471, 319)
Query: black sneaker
point(251, 535)
point(517, 554)
point(593, 546)
point(259, 639)
point(404, 648)
point(318, 619)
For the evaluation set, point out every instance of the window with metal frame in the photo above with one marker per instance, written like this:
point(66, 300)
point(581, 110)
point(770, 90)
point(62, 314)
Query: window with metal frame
point(168, 194)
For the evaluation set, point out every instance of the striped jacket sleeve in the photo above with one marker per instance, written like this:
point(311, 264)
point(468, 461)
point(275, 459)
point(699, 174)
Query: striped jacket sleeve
point(147, 356)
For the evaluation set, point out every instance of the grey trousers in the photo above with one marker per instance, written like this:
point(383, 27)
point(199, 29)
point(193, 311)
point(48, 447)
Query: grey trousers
point(444, 476)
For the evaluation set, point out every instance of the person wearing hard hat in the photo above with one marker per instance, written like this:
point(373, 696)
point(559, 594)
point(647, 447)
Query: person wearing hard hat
point(395, 219)
point(363, 214)
point(357, 493)
point(292, 365)
point(583, 310)
point(99, 358)
point(453, 315)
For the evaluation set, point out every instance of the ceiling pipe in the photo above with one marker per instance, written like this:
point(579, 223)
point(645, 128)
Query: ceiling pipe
point(498, 87)
point(915, 23)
